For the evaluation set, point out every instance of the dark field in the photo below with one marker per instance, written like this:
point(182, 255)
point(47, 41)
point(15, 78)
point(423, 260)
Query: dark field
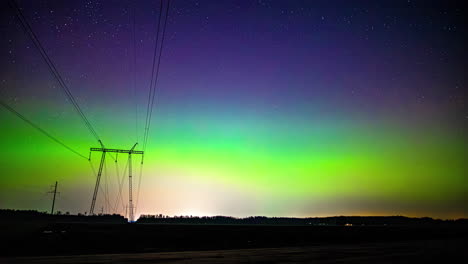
point(172, 243)
point(393, 252)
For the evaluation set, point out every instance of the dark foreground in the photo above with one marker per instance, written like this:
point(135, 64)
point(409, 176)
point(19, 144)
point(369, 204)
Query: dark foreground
point(26, 239)
point(443, 251)
point(51, 241)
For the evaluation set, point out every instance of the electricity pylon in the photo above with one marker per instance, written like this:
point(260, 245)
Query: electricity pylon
point(103, 158)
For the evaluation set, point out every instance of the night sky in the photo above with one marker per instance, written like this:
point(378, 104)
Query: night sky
point(276, 108)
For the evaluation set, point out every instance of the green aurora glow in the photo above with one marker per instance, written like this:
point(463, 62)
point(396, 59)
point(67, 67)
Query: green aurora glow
point(322, 160)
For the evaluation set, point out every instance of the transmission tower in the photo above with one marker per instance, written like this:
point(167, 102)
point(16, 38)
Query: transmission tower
point(101, 165)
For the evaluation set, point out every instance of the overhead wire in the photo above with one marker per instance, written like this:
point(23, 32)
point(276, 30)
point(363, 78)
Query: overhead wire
point(106, 188)
point(47, 134)
point(154, 79)
point(155, 75)
point(119, 195)
point(117, 174)
point(157, 72)
point(138, 188)
point(53, 69)
point(134, 73)
point(152, 73)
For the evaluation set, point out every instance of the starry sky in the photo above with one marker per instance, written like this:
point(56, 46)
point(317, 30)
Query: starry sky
point(276, 108)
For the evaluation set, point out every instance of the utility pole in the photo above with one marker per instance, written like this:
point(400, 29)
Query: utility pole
point(98, 179)
point(53, 200)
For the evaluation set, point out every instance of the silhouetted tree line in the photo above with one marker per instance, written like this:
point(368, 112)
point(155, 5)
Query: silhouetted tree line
point(316, 221)
point(8, 215)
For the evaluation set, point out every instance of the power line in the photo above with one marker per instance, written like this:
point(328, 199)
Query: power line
point(13, 111)
point(154, 76)
point(120, 184)
point(106, 188)
point(139, 184)
point(154, 80)
point(134, 73)
point(120, 194)
point(53, 69)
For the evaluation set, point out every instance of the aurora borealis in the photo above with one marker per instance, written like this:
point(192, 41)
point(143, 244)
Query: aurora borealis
point(277, 108)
